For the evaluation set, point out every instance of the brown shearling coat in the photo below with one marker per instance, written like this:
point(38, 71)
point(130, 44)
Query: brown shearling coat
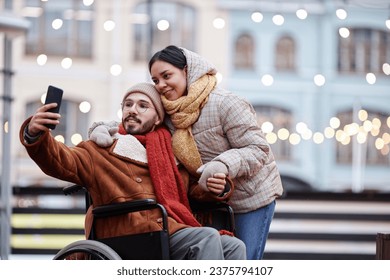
point(114, 174)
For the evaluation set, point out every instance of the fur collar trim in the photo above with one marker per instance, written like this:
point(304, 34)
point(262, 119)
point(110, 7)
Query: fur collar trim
point(129, 147)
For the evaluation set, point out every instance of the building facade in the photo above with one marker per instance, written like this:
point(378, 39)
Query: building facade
point(320, 84)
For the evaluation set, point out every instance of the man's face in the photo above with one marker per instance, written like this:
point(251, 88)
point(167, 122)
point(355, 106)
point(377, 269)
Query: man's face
point(139, 116)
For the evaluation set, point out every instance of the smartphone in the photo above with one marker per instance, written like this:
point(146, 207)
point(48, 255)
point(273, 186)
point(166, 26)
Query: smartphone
point(54, 95)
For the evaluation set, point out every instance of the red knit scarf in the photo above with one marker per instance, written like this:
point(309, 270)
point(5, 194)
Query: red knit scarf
point(167, 182)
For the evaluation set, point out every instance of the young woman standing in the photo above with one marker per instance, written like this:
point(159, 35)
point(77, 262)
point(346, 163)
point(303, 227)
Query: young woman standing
point(215, 131)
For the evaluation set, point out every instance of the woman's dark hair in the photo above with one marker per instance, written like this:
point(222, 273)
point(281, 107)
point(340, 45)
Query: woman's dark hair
point(171, 54)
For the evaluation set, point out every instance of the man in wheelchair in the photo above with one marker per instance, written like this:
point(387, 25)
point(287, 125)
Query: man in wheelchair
point(138, 164)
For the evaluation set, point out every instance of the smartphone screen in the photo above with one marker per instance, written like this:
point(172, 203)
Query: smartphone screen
point(54, 95)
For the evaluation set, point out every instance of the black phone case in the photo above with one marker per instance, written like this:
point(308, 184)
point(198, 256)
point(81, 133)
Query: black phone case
point(54, 95)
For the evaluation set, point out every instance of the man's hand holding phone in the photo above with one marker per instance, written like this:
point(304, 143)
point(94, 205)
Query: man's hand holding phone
point(47, 116)
point(53, 95)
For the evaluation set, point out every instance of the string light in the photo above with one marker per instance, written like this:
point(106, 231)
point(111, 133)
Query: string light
point(219, 23)
point(267, 80)
point(334, 122)
point(371, 78)
point(85, 107)
point(352, 130)
point(361, 137)
point(57, 23)
point(340, 135)
point(319, 80)
point(301, 13)
point(303, 132)
point(386, 138)
point(318, 138)
point(115, 69)
point(109, 25)
point(267, 127)
point(88, 2)
point(41, 59)
point(283, 134)
point(278, 19)
point(76, 138)
point(343, 136)
point(163, 25)
point(6, 127)
point(271, 138)
point(60, 138)
point(257, 17)
point(386, 68)
point(329, 132)
point(341, 13)
point(301, 127)
point(379, 143)
point(344, 32)
point(294, 139)
point(362, 115)
point(307, 134)
point(66, 63)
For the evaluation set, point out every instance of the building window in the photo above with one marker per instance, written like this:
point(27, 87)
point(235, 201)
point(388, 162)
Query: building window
point(280, 119)
point(364, 50)
point(285, 54)
point(172, 24)
point(244, 52)
point(72, 122)
point(8, 4)
point(371, 135)
point(59, 28)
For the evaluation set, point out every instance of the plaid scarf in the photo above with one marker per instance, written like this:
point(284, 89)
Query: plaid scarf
point(184, 112)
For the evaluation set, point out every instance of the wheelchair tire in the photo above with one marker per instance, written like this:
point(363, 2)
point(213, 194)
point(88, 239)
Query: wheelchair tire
point(87, 250)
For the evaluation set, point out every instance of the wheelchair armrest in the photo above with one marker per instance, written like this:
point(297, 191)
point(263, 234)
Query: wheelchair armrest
point(125, 207)
point(207, 206)
point(197, 206)
point(202, 206)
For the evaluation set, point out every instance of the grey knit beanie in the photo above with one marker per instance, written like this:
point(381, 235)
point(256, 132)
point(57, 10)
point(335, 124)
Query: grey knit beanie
point(149, 90)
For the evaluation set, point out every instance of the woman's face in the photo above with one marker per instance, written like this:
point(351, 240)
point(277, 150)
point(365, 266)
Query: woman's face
point(169, 80)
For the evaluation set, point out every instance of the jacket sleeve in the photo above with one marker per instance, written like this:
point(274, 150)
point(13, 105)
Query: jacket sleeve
point(196, 192)
point(249, 149)
point(57, 160)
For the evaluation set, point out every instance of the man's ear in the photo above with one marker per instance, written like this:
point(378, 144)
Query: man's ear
point(158, 121)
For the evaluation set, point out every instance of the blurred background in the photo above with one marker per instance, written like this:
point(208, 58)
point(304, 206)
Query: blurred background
point(316, 71)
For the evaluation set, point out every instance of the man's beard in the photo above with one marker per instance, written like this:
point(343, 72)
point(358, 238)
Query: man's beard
point(138, 128)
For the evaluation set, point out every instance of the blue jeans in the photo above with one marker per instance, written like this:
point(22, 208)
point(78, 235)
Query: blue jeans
point(253, 228)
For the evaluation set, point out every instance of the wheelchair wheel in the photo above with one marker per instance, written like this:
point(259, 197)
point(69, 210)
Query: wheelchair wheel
point(87, 250)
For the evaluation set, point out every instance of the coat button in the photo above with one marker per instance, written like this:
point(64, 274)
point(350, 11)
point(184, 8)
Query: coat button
point(138, 180)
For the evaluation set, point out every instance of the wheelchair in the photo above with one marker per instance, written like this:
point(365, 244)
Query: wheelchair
point(144, 246)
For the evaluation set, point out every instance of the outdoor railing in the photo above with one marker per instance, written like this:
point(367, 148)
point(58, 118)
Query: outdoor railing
point(308, 225)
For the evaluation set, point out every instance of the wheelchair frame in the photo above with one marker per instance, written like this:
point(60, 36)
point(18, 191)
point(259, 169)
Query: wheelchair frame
point(145, 246)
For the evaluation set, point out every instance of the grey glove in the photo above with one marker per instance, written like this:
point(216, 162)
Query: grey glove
point(102, 135)
point(208, 170)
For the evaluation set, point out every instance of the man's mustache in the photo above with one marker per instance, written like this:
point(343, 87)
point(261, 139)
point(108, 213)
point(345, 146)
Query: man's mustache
point(133, 118)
